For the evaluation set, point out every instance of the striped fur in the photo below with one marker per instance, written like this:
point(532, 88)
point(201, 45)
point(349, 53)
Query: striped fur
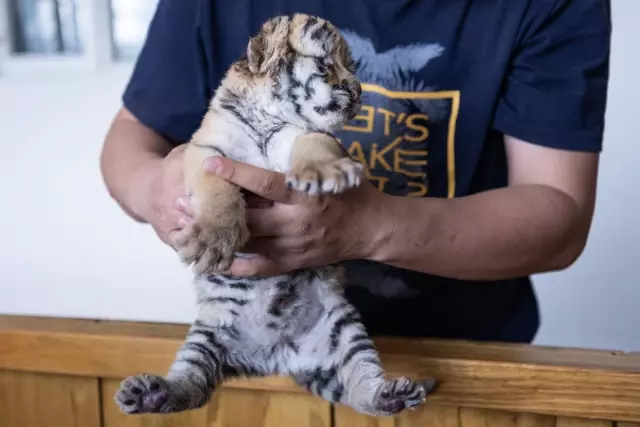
point(275, 109)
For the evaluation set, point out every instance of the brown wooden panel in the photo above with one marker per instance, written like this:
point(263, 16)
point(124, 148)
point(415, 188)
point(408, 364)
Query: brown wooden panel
point(473, 417)
point(581, 422)
point(432, 416)
point(228, 408)
point(511, 377)
point(536, 420)
point(447, 349)
point(444, 416)
point(43, 400)
point(250, 408)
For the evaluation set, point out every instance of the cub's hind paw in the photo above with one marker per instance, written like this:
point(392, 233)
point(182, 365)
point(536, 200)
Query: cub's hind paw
point(210, 249)
point(399, 394)
point(143, 394)
point(326, 178)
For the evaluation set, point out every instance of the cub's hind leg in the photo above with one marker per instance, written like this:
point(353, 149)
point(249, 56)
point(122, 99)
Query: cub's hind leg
point(351, 372)
point(195, 373)
point(219, 228)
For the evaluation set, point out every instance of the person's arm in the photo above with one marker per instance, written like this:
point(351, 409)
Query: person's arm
point(163, 104)
point(539, 223)
point(552, 110)
point(131, 155)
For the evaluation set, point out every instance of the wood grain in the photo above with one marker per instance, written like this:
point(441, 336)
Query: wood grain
point(581, 422)
point(240, 408)
point(598, 385)
point(439, 416)
point(432, 416)
point(43, 400)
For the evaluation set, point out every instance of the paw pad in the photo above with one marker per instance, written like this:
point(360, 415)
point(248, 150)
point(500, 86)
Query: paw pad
point(143, 394)
point(398, 395)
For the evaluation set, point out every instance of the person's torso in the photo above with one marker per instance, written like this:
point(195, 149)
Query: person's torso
point(431, 73)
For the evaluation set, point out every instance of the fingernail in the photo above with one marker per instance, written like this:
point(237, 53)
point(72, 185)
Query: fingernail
point(181, 203)
point(213, 164)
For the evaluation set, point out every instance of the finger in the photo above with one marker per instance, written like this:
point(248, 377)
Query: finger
point(265, 183)
point(183, 221)
point(184, 205)
point(256, 202)
point(266, 222)
point(257, 266)
point(272, 246)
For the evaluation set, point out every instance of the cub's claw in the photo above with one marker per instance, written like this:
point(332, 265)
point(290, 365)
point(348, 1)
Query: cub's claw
point(326, 178)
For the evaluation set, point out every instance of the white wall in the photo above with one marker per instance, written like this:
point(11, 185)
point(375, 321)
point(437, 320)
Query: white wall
point(68, 250)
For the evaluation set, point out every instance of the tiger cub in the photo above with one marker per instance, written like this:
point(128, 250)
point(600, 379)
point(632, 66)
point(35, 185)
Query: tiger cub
point(275, 108)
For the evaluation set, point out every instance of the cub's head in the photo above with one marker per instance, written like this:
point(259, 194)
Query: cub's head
point(305, 68)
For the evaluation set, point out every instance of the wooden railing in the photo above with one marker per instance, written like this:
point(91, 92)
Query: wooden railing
point(64, 372)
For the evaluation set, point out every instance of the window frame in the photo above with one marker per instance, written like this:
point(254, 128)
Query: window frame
point(94, 19)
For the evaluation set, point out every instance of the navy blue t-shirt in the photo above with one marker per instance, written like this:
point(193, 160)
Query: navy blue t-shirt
point(443, 81)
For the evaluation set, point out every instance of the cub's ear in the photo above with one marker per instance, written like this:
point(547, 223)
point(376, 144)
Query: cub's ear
point(263, 52)
point(255, 52)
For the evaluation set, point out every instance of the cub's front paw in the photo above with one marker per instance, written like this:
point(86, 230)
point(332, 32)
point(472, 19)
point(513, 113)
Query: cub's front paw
point(326, 178)
point(142, 394)
point(397, 395)
point(210, 248)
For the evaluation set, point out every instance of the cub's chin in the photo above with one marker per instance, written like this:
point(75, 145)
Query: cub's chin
point(338, 120)
point(353, 111)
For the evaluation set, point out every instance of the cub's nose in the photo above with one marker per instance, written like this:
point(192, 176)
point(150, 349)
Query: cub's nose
point(355, 89)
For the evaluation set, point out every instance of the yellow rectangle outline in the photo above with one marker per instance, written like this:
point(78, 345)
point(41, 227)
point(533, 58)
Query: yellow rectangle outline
point(454, 95)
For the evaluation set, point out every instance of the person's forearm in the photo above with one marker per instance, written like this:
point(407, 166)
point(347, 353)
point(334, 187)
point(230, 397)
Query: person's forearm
point(495, 235)
point(129, 151)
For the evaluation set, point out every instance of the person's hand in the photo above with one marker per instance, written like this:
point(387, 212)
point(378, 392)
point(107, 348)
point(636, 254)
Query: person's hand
point(164, 200)
point(299, 231)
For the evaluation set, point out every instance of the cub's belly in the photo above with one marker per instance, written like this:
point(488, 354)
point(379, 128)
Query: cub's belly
point(265, 312)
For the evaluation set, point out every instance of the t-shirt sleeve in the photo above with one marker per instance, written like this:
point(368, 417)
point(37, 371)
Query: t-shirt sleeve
point(168, 90)
point(555, 90)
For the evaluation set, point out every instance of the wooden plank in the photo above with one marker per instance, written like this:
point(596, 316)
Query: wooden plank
point(536, 420)
point(432, 416)
point(473, 417)
point(347, 417)
point(251, 408)
point(513, 353)
point(448, 349)
point(516, 378)
point(228, 408)
point(581, 422)
point(43, 400)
